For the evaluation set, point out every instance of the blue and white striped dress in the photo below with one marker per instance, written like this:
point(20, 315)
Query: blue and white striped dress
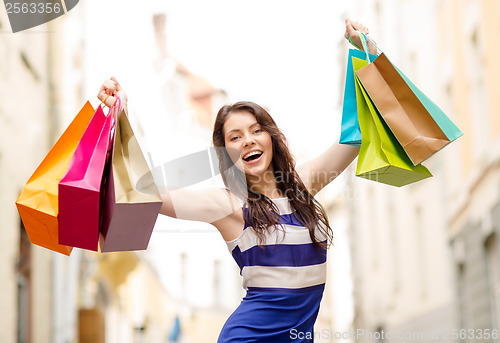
point(284, 283)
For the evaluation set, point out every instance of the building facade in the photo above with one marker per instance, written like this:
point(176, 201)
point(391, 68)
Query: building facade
point(86, 297)
point(28, 117)
point(425, 256)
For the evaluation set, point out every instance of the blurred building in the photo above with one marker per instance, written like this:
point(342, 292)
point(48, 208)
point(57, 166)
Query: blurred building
point(48, 297)
point(474, 217)
point(425, 257)
point(29, 123)
point(122, 299)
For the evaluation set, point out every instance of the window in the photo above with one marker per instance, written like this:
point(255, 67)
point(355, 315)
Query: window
point(461, 290)
point(24, 287)
point(493, 270)
point(421, 253)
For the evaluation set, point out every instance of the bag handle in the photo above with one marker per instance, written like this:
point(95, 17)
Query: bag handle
point(112, 112)
point(112, 108)
point(364, 39)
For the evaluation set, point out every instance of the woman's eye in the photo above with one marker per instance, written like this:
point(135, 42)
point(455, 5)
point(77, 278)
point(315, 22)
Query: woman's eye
point(258, 131)
point(234, 138)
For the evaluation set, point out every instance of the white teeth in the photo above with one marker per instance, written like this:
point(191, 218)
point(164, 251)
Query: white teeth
point(251, 154)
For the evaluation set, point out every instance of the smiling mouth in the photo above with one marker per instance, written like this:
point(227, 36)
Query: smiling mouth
point(252, 156)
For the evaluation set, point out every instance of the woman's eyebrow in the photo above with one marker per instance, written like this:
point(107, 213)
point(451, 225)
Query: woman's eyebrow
point(233, 130)
point(239, 130)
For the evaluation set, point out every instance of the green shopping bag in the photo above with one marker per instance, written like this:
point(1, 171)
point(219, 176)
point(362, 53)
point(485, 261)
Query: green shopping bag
point(381, 157)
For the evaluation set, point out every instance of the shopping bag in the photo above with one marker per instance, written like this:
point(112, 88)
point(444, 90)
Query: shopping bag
point(130, 208)
point(451, 131)
point(381, 157)
point(350, 132)
point(37, 202)
point(420, 126)
point(79, 189)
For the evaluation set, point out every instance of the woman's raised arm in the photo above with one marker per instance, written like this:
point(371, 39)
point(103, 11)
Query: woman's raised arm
point(208, 205)
point(320, 171)
point(216, 206)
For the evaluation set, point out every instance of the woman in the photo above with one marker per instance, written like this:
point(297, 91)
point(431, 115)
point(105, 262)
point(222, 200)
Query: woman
point(276, 231)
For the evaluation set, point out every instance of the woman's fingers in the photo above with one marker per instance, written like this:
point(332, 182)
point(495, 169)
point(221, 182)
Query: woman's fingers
point(109, 90)
point(352, 28)
point(119, 90)
point(348, 28)
point(108, 87)
point(117, 84)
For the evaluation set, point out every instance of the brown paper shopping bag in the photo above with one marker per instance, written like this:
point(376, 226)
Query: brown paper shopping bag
point(129, 211)
point(420, 126)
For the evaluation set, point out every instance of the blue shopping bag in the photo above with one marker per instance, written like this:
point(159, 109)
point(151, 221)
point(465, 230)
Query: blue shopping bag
point(350, 132)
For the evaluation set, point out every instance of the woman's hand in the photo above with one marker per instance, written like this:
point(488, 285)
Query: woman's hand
point(112, 88)
point(352, 28)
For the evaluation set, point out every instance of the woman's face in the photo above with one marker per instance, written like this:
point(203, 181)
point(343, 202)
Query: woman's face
point(248, 145)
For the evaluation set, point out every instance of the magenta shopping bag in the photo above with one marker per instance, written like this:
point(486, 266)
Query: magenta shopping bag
point(79, 189)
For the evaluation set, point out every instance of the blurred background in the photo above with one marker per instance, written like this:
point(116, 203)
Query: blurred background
point(421, 260)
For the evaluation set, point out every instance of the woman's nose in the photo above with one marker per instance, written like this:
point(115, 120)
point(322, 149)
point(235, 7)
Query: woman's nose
point(249, 141)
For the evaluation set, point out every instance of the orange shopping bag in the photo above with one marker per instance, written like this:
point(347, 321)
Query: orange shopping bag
point(37, 203)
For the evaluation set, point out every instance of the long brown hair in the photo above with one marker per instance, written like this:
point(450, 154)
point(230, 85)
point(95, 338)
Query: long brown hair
point(262, 212)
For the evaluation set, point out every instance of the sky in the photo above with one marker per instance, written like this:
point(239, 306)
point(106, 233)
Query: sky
point(281, 54)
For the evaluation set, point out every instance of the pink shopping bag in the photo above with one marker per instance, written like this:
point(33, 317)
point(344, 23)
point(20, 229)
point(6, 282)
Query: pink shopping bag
point(80, 188)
